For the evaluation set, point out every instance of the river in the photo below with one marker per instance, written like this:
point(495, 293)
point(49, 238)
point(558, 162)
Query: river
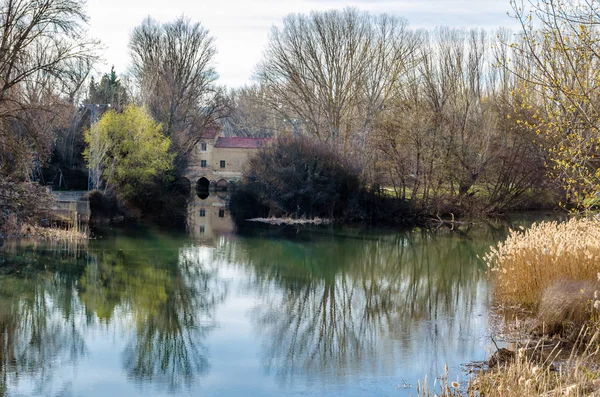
point(266, 311)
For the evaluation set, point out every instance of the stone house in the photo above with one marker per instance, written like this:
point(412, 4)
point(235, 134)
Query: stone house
point(219, 161)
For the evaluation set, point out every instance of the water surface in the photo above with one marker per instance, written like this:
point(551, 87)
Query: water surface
point(270, 312)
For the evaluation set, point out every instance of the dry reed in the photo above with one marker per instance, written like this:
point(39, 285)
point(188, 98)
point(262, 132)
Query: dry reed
point(60, 232)
point(531, 260)
point(578, 375)
point(559, 264)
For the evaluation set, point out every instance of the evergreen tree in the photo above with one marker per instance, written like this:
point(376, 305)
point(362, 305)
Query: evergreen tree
point(108, 91)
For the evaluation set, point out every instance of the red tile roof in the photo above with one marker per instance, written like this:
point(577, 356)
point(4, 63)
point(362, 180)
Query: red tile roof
point(241, 142)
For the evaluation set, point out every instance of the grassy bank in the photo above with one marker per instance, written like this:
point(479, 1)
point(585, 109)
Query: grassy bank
point(551, 270)
point(573, 372)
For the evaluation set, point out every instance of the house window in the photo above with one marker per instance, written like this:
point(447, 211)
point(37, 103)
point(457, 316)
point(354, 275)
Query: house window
point(202, 229)
point(202, 163)
point(221, 213)
point(202, 212)
point(203, 146)
point(222, 163)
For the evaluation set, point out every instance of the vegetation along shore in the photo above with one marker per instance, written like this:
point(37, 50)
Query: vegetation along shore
point(351, 117)
point(425, 123)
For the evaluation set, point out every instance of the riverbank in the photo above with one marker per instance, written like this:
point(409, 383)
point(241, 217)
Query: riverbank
point(551, 326)
point(531, 366)
point(47, 233)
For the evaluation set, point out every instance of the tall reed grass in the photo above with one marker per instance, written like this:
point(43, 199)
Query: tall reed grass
point(531, 260)
point(60, 231)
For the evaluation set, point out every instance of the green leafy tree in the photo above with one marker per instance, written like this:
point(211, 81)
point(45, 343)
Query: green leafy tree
point(128, 149)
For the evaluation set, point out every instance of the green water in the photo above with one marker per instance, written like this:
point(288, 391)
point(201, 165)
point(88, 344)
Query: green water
point(269, 312)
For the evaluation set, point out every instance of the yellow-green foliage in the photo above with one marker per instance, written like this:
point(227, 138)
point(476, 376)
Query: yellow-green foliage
point(530, 260)
point(128, 148)
point(559, 44)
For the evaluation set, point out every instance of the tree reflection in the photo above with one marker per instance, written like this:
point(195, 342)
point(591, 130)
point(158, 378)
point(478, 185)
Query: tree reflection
point(37, 326)
point(163, 298)
point(171, 298)
point(341, 293)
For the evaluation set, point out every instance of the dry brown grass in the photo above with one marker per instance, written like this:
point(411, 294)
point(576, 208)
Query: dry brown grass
point(566, 306)
point(71, 233)
point(531, 260)
point(554, 266)
point(577, 375)
point(58, 232)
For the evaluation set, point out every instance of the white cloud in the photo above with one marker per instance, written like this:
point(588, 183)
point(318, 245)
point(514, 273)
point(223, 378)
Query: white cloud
point(241, 27)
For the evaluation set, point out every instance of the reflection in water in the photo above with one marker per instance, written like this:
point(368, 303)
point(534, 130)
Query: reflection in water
point(342, 295)
point(37, 322)
point(168, 344)
point(146, 285)
point(320, 308)
point(172, 300)
point(208, 217)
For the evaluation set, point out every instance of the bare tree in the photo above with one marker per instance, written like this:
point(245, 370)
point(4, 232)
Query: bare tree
point(251, 114)
point(45, 56)
point(334, 70)
point(173, 68)
point(451, 137)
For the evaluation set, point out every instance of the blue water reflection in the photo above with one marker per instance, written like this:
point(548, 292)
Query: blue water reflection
point(266, 312)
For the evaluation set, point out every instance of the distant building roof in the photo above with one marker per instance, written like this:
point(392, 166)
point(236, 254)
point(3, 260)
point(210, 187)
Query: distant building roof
point(210, 132)
point(241, 142)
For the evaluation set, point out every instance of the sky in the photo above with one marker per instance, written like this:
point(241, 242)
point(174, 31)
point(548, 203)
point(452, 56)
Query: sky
point(241, 27)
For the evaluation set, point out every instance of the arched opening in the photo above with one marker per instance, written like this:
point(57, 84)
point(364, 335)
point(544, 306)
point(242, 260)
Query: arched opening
point(203, 184)
point(221, 185)
point(202, 187)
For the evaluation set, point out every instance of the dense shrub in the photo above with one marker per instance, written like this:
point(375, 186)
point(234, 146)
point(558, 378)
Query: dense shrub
point(103, 205)
point(307, 178)
point(21, 204)
point(128, 151)
point(300, 178)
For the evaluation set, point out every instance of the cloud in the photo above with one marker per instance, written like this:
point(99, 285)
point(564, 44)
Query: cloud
point(241, 27)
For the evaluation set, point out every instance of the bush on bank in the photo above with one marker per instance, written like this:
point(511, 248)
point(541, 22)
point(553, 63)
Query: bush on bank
point(22, 205)
point(300, 178)
point(304, 178)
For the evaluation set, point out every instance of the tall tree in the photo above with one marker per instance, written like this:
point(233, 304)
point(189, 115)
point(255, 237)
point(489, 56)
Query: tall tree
point(45, 56)
point(173, 66)
point(250, 115)
point(335, 70)
point(109, 91)
point(559, 43)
